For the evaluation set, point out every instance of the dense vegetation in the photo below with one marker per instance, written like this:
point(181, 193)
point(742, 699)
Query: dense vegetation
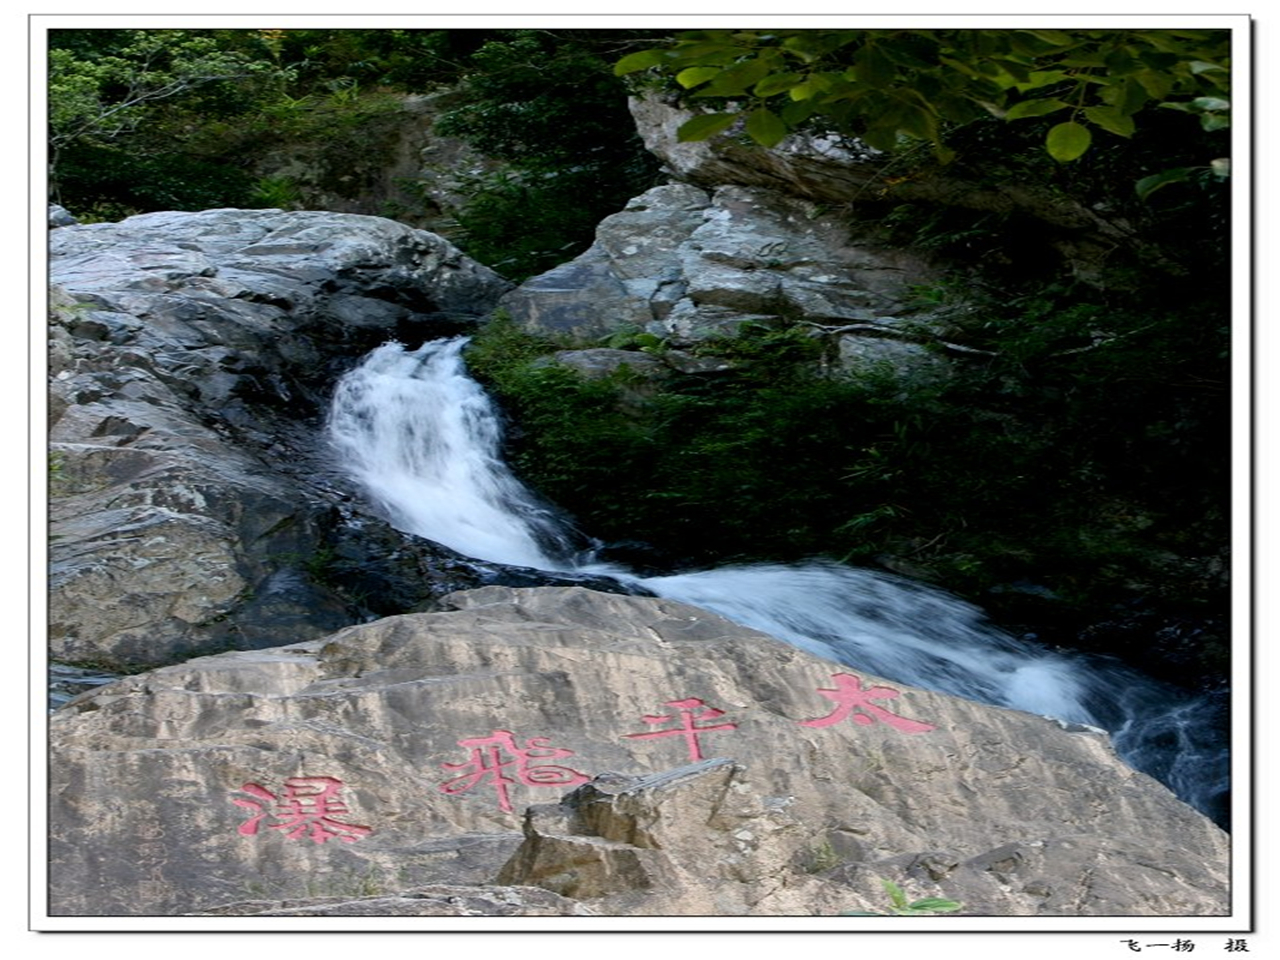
point(146, 120)
point(1072, 476)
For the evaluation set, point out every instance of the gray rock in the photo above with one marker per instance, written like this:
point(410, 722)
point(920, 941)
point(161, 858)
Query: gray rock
point(60, 217)
point(638, 755)
point(822, 167)
point(690, 266)
point(193, 508)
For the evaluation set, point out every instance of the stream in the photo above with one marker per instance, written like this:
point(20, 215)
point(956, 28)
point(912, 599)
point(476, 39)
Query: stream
point(423, 442)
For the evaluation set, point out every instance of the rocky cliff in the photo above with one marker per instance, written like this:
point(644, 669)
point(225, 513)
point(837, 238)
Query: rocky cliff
point(190, 360)
point(562, 751)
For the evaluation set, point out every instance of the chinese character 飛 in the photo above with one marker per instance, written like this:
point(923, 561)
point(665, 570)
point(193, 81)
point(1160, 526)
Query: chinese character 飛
point(487, 762)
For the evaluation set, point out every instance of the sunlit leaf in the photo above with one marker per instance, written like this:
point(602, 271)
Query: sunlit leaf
point(1211, 104)
point(1204, 66)
point(1041, 78)
point(736, 80)
point(693, 76)
point(1068, 141)
point(1034, 108)
point(640, 60)
point(704, 125)
point(777, 83)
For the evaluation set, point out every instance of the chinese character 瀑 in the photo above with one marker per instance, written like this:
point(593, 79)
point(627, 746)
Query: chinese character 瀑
point(487, 761)
point(849, 695)
point(689, 727)
point(305, 808)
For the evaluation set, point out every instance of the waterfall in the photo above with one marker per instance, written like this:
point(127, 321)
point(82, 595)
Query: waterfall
point(423, 441)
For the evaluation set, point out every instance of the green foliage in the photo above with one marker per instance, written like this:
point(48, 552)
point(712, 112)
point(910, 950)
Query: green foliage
point(276, 192)
point(172, 119)
point(101, 92)
point(495, 225)
point(892, 87)
point(112, 181)
point(899, 906)
point(1087, 446)
point(549, 106)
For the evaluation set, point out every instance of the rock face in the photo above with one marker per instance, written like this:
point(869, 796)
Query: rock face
point(190, 354)
point(832, 170)
point(391, 163)
point(813, 167)
point(622, 755)
point(688, 265)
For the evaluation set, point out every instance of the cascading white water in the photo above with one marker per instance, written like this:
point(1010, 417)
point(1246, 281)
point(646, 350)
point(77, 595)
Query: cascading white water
point(423, 440)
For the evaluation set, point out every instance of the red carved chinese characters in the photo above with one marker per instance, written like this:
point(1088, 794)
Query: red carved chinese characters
point(306, 808)
point(689, 727)
point(849, 696)
point(487, 762)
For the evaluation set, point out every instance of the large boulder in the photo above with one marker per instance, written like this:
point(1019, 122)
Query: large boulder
point(690, 265)
point(844, 173)
point(190, 357)
point(625, 755)
point(819, 167)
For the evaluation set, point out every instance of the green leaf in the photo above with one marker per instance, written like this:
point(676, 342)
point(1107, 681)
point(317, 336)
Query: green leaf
point(1111, 120)
point(1215, 121)
point(693, 76)
point(807, 89)
point(1041, 78)
point(1120, 63)
point(934, 904)
point(872, 68)
point(704, 125)
point(777, 83)
point(736, 80)
point(1133, 98)
point(1067, 141)
point(1034, 108)
point(1149, 185)
point(1204, 66)
point(896, 896)
point(1158, 85)
point(1221, 167)
point(765, 128)
point(1056, 38)
point(640, 60)
point(796, 113)
point(1210, 104)
point(918, 122)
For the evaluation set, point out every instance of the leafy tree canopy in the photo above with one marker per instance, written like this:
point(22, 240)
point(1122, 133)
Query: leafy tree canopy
point(101, 88)
point(890, 87)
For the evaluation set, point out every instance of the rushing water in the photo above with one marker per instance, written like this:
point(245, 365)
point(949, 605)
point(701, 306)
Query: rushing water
point(423, 440)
